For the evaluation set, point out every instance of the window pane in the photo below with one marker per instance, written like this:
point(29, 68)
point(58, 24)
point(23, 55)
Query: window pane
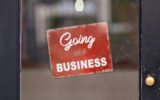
point(41, 15)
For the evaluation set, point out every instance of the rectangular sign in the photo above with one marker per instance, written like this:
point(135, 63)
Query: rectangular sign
point(79, 50)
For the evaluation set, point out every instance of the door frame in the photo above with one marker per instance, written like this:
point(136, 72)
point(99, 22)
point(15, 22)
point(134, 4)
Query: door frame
point(10, 49)
point(149, 49)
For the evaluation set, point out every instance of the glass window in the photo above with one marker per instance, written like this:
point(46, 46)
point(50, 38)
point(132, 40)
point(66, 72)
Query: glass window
point(41, 15)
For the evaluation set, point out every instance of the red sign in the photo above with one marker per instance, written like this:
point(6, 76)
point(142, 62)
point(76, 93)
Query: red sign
point(79, 50)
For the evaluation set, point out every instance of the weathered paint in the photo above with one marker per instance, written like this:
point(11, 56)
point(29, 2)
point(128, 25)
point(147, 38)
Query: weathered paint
point(80, 50)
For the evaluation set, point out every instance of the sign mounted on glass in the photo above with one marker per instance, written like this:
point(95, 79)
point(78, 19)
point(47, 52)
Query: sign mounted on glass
point(79, 50)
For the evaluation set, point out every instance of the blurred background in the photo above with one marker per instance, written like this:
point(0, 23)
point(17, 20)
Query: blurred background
point(41, 15)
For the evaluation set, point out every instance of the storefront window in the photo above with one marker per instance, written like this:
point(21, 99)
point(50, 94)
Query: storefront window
point(36, 79)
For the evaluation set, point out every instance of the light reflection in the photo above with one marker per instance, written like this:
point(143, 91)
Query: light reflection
point(79, 5)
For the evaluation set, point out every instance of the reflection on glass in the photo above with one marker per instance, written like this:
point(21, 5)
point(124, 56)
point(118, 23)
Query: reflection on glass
point(122, 18)
point(79, 5)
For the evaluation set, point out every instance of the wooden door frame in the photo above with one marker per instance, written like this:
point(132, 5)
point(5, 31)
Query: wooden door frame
point(10, 50)
point(149, 48)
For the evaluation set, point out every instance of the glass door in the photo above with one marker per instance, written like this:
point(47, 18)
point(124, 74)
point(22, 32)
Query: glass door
point(36, 78)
